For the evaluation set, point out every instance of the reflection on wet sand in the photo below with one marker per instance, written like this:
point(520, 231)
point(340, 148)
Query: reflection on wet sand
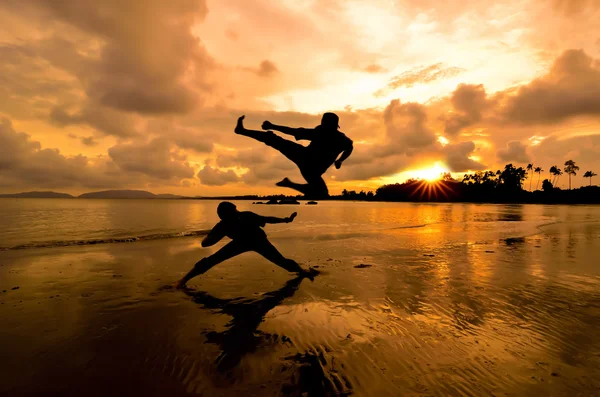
point(241, 335)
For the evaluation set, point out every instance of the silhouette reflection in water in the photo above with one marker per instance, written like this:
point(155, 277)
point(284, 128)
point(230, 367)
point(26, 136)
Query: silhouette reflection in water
point(327, 143)
point(242, 336)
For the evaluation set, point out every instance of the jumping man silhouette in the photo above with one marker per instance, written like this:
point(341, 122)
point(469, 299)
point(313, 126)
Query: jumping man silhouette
point(326, 144)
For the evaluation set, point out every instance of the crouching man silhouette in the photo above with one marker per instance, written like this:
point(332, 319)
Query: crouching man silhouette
point(245, 231)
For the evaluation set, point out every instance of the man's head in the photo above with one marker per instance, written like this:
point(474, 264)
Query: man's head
point(330, 120)
point(226, 210)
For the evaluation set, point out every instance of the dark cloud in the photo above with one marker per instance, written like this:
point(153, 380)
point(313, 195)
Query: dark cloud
point(274, 168)
point(571, 88)
point(572, 8)
point(267, 69)
point(23, 163)
point(215, 177)
point(469, 102)
point(185, 137)
point(104, 120)
point(148, 60)
point(514, 151)
point(244, 158)
point(88, 141)
point(406, 129)
point(28, 87)
point(457, 157)
point(14, 145)
point(422, 75)
point(585, 150)
point(406, 136)
point(373, 168)
point(155, 158)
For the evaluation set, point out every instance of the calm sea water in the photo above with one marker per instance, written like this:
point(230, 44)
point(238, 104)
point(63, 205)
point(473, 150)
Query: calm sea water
point(47, 222)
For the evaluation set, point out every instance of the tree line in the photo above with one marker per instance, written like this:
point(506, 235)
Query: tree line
point(505, 185)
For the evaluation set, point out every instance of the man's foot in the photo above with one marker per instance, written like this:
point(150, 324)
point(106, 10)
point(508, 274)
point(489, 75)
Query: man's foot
point(180, 285)
point(285, 182)
point(310, 273)
point(239, 128)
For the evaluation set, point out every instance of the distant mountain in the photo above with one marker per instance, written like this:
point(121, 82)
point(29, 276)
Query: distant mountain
point(169, 196)
point(120, 194)
point(37, 195)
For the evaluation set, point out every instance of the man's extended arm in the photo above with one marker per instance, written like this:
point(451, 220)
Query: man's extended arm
point(298, 133)
point(273, 219)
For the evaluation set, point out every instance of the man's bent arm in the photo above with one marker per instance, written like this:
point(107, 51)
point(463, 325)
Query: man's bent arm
point(213, 237)
point(346, 153)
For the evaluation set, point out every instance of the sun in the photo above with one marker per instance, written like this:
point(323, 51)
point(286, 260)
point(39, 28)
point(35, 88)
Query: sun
point(431, 174)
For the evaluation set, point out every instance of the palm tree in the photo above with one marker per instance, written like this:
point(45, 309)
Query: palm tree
point(589, 174)
point(554, 172)
point(538, 170)
point(571, 168)
point(558, 174)
point(530, 171)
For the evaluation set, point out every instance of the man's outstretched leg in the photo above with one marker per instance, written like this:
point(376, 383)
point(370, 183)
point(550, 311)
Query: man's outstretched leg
point(293, 151)
point(315, 189)
point(271, 253)
point(230, 250)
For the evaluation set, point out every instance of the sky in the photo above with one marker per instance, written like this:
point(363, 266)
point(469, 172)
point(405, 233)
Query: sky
point(124, 94)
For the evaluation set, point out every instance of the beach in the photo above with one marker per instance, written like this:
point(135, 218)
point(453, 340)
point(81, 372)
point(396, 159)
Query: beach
point(459, 301)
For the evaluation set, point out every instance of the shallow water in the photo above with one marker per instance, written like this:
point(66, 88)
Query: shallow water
point(54, 222)
point(464, 300)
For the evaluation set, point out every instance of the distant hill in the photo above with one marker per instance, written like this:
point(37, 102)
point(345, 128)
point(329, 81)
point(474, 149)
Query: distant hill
point(106, 194)
point(120, 194)
point(37, 195)
point(169, 196)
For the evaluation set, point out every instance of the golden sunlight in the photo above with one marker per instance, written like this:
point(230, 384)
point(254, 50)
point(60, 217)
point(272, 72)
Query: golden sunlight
point(431, 174)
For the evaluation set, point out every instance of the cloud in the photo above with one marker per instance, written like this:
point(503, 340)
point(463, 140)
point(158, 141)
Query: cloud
point(407, 135)
point(514, 151)
point(406, 129)
point(374, 68)
point(267, 69)
point(570, 88)
point(155, 158)
point(457, 157)
point(88, 141)
point(469, 102)
point(104, 120)
point(215, 177)
point(14, 145)
point(185, 137)
point(244, 158)
point(422, 75)
point(24, 163)
point(140, 56)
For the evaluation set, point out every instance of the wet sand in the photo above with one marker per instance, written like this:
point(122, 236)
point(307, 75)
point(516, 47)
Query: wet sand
point(517, 316)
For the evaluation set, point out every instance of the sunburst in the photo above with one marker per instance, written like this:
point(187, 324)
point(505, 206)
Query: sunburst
point(435, 189)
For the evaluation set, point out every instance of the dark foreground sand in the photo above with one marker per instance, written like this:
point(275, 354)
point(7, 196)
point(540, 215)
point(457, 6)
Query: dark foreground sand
point(517, 317)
